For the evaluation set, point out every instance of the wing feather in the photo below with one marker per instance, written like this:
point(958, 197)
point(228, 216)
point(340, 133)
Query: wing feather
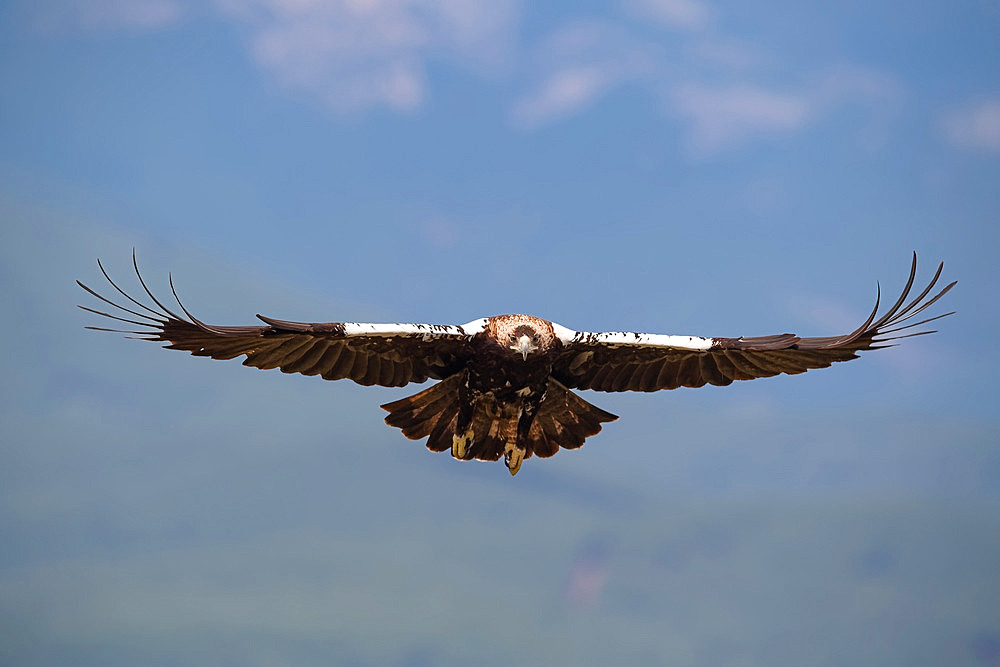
point(711, 372)
point(359, 369)
point(729, 370)
point(650, 372)
point(690, 372)
point(345, 362)
point(287, 351)
point(759, 360)
point(320, 360)
point(387, 372)
point(312, 354)
point(622, 361)
point(383, 354)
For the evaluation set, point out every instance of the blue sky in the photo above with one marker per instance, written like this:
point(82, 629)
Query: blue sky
point(670, 166)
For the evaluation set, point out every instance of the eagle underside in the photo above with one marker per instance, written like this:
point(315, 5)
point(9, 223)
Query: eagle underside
point(561, 419)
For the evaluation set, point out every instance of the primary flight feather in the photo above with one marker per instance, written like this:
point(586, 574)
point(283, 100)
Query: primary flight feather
point(505, 381)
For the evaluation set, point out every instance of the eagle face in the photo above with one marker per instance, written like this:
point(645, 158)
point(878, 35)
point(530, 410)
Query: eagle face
point(521, 334)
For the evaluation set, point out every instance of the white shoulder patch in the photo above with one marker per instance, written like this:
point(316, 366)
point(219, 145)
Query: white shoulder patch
point(427, 331)
point(563, 334)
point(631, 339)
point(474, 327)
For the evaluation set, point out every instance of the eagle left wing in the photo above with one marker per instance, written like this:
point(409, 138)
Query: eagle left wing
point(389, 355)
point(622, 361)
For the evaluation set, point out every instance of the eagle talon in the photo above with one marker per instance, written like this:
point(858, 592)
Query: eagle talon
point(513, 456)
point(460, 444)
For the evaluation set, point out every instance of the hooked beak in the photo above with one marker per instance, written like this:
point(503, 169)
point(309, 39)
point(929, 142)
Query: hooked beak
point(524, 346)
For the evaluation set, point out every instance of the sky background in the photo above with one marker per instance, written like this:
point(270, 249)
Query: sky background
point(717, 168)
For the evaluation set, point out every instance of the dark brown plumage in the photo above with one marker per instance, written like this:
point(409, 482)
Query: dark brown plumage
point(506, 380)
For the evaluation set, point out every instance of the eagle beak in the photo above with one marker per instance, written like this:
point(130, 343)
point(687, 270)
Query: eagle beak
point(524, 346)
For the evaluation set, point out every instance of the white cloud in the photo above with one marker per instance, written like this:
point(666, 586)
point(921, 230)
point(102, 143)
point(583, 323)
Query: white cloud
point(727, 115)
point(724, 116)
point(358, 54)
point(686, 14)
point(565, 92)
point(577, 65)
point(582, 62)
point(352, 54)
point(975, 126)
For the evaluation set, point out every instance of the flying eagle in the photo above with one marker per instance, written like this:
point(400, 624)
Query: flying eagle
point(505, 381)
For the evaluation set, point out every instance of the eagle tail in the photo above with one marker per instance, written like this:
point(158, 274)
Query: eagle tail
point(492, 431)
point(563, 420)
point(431, 414)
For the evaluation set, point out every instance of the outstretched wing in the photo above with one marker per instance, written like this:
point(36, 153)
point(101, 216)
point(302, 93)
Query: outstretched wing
point(621, 361)
point(390, 355)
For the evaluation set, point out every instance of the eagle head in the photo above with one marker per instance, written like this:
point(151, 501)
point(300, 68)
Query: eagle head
point(521, 334)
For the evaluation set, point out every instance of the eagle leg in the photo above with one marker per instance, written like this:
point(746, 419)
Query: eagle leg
point(460, 444)
point(464, 434)
point(516, 450)
point(513, 456)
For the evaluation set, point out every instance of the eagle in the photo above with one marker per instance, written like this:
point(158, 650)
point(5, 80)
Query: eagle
point(505, 383)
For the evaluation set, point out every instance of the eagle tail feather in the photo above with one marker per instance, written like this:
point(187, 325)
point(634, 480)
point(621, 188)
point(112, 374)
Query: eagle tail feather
point(440, 439)
point(564, 420)
point(490, 430)
point(430, 414)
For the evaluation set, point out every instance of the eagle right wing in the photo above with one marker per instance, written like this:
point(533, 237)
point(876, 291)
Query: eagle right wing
point(390, 355)
point(623, 361)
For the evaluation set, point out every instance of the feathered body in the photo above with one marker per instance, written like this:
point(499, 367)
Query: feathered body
point(502, 403)
point(505, 381)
